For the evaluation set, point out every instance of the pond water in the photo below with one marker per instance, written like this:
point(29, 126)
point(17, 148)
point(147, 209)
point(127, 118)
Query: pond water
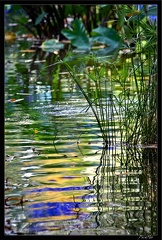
point(59, 180)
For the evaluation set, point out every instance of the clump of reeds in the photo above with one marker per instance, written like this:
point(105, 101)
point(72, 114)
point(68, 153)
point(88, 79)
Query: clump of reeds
point(100, 99)
point(132, 114)
point(140, 106)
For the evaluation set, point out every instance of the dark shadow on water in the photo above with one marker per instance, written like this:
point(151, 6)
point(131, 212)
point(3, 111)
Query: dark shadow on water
point(126, 189)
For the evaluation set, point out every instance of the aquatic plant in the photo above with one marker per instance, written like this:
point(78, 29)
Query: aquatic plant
point(130, 115)
point(142, 71)
point(95, 104)
point(100, 99)
point(138, 123)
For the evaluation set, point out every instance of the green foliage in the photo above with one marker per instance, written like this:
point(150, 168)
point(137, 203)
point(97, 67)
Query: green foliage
point(72, 10)
point(78, 35)
point(131, 113)
point(101, 35)
point(91, 102)
point(140, 25)
point(137, 111)
point(16, 8)
point(107, 36)
point(105, 9)
point(149, 32)
point(40, 17)
point(49, 21)
point(51, 45)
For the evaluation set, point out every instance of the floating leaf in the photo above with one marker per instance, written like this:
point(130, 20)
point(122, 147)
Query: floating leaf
point(51, 45)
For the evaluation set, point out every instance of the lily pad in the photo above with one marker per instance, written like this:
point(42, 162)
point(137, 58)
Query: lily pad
point(52, 45)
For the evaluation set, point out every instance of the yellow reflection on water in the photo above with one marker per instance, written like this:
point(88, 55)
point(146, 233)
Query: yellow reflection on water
point(53, 218)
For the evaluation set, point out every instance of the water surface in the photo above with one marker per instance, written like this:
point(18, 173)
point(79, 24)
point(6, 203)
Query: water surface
point(59, 179)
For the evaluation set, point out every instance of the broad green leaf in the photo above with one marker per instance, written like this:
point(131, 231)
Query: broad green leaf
point(78, 35)
point(106, 36)
point(111, 50)
point(40, 17)
point(51, 45)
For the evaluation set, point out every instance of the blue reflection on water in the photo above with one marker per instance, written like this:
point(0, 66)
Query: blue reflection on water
point(60, 189)
point(49, 209)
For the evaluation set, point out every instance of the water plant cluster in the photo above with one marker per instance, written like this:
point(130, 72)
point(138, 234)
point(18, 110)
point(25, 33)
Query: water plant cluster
point(115, 48)
point(129, 112)
point(132, 111)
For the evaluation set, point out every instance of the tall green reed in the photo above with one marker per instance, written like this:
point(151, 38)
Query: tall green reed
point(131, 114)
point(139, 105)
point(100, 101)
